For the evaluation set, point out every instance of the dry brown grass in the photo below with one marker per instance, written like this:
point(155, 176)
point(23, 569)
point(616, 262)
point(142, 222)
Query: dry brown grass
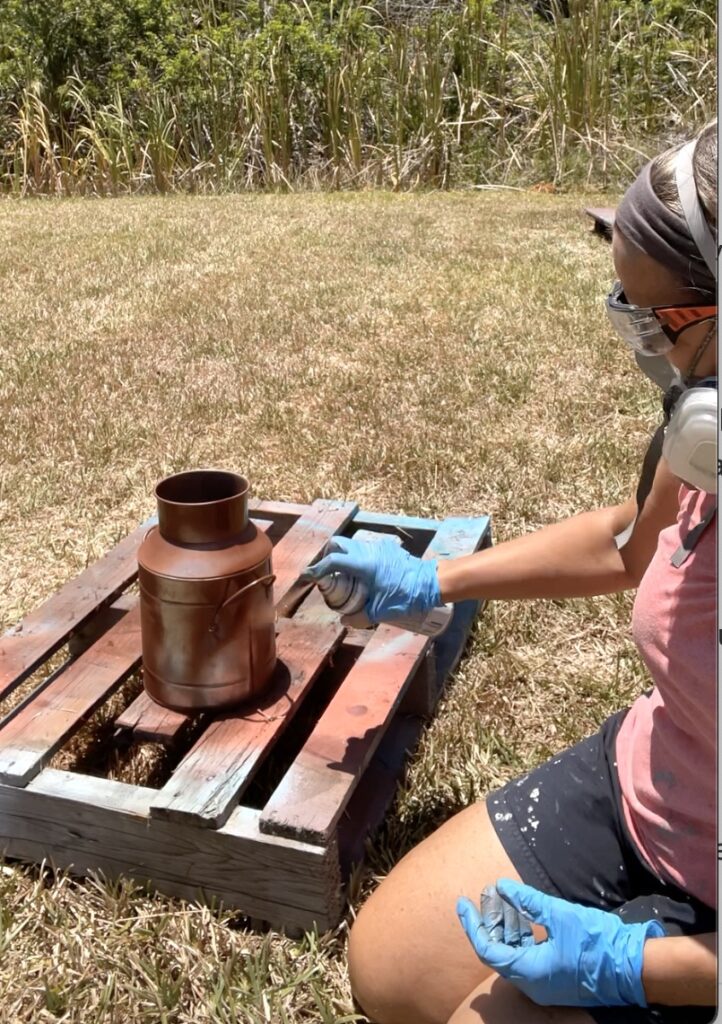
point(432, 354)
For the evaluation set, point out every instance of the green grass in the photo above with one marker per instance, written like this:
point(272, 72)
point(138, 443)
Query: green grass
point(432, 354)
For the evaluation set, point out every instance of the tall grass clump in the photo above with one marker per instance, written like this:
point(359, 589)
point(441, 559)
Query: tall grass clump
point(218, 96)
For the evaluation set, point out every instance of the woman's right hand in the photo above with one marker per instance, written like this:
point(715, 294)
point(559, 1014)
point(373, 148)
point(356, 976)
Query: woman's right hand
point(398, 583)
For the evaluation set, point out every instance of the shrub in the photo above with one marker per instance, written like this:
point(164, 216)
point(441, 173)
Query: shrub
point(102, 96)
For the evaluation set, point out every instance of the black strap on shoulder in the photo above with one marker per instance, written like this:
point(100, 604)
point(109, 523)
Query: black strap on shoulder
point(654, 451)
point(690, 539)
point(646, 479)
point(651, 460)
point(649, 466)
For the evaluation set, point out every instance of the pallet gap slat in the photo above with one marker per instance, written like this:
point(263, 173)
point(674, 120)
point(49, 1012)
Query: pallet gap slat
point(108, 615)
point(208, 782)
point(314, 792)
point(29, 738)
point(145, 719)
point(39, 635)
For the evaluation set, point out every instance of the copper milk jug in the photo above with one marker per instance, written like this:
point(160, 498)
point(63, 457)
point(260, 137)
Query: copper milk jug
point(206, 595)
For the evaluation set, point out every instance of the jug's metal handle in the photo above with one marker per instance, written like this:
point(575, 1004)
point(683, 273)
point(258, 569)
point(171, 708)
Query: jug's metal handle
point(268, 580)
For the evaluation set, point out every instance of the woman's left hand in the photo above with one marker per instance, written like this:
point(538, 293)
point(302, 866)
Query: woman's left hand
point(589, 958)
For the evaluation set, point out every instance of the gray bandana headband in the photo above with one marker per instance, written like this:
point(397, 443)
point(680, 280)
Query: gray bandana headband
point(685, 245)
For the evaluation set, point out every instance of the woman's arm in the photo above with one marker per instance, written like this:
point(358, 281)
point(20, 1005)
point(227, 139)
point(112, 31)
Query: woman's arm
point(575, 558)
point(681, 970)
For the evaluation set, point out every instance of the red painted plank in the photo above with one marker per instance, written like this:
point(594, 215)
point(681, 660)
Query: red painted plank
point(29, 738)
point(313, 793)
point(208, 782)
point(372, 797)
point(317, 787)
point(277, 508)
point(303, 543)
point(147, 720)
point(100, 623)
point(44, 630)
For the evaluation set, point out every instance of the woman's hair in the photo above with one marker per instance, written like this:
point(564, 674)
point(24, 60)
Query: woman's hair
point(705, 174)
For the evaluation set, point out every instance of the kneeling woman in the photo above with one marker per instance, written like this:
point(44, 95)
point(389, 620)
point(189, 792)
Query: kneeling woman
point(599, 867)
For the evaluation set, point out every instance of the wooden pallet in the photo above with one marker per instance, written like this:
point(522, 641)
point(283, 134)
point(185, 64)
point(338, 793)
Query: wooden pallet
point(264, 809)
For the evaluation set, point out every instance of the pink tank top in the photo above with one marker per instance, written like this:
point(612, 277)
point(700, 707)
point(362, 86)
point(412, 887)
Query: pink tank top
point(667, 744)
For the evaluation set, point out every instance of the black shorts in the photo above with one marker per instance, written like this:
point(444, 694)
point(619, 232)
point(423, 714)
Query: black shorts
point(563, 828)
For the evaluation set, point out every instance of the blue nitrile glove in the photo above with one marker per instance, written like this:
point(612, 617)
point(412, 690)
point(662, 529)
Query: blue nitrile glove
point(590, 957)
point(398, 583)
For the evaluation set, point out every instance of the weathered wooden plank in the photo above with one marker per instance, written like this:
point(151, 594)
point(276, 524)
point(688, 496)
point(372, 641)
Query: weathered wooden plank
point(211, 778)
point(373, 795)
point(99, 623)
point(30, 737)
point(275, 509)
point(393, 521)
point(303, 543)
point(450, 645)
point(44, 630)
point(148, 720)
point(312, 795)
point(317, 615)
point(87, 824)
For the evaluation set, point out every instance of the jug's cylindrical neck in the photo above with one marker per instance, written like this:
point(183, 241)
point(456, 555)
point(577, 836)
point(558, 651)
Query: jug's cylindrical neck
point(203, 506)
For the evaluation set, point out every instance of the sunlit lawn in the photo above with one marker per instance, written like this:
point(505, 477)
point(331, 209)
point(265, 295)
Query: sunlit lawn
point(432, 354)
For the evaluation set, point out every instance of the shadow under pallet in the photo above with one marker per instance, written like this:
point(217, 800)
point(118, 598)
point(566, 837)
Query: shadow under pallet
point(264, 808)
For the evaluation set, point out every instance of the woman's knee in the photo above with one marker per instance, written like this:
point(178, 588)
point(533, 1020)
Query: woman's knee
point(409, 959)
point(379, 967)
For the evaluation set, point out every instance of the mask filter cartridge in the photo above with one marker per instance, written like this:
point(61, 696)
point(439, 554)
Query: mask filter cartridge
point(690, 440)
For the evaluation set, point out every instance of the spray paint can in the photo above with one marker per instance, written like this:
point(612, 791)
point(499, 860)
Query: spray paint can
point(348, 595)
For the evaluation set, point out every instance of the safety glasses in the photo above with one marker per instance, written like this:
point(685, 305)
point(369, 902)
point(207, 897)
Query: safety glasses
point(652, 330)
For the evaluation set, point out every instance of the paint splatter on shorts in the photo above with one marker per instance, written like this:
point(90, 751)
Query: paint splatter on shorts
point(563, 828)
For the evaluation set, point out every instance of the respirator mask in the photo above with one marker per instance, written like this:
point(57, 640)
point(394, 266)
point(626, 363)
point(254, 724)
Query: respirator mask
point(690, 404)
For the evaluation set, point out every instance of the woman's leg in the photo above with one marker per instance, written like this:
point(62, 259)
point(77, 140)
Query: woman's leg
point(409, 959)
point(496, 1001)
